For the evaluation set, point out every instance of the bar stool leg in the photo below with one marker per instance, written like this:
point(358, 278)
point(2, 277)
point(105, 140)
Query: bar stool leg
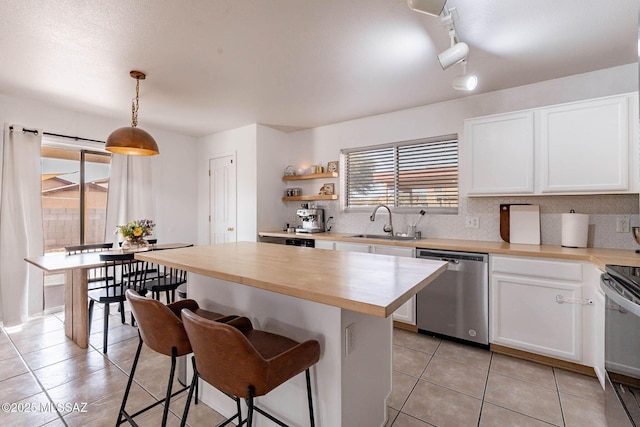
point(311, 419)
point(167, 400)
point(250, 405)
point(194, 382)
point(129, 382)
point(194, 387)
point(193, 360)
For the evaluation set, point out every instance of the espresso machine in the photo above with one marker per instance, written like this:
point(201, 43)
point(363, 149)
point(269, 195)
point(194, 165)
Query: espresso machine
point(312, 220)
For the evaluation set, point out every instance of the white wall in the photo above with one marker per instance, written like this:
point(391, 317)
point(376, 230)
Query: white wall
point(323, 144)
point(173, 172)
point(241, 142)
point(175, 188)
point(274, 151)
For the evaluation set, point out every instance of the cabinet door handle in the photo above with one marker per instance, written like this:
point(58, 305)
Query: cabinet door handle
point(561, 300)
point(229, 228)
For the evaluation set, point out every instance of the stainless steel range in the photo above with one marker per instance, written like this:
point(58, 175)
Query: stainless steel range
point(621, 286)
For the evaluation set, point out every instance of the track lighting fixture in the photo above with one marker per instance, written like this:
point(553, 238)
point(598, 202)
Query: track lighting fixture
point(458, 50)
point(456, 53)
point(429, 7)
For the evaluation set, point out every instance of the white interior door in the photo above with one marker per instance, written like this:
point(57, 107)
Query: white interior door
point(222, 199)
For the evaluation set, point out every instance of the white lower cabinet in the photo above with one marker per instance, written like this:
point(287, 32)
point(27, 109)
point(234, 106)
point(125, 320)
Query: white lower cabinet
point(537, 306)
point(352, 247)
point(594, 323)
point(325, 244)
point(406, 313)
point(598, 337)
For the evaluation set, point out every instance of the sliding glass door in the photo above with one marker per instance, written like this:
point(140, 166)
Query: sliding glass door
point(75, 183)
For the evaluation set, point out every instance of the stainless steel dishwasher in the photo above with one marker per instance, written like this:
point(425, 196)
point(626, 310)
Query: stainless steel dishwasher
point(456, 303)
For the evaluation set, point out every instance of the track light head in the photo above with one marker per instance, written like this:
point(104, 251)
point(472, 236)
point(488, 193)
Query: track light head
point(466, 82)
point(456, 53)
point(429, 7)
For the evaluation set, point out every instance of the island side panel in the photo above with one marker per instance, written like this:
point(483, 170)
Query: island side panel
point(366, 368)
point(292, 317)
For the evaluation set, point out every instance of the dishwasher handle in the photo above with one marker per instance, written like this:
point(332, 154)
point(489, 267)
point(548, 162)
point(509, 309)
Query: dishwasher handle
point(451, 256)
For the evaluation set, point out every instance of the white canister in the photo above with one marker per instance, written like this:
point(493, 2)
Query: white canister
point(575, 230)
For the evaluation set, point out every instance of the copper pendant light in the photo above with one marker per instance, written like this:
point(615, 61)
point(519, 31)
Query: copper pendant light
point(132, 140)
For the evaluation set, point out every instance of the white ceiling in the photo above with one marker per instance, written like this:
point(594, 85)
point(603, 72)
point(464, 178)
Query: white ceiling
point(214, 65)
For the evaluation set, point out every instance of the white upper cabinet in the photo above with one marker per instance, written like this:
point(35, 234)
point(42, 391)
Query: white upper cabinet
point(501, 152)
point(585, 147)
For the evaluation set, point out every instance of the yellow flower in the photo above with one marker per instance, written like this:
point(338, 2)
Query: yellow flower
point(137, 232)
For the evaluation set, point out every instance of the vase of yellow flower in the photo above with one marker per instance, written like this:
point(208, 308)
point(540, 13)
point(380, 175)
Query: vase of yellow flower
point(134, 233)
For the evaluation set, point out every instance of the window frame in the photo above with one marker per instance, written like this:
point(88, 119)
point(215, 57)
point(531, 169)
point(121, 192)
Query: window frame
point(406, 209)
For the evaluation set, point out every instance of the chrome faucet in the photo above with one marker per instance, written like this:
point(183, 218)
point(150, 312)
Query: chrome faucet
point(386, 228)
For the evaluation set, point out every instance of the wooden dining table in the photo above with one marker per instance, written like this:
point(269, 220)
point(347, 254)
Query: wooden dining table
point(76, 268)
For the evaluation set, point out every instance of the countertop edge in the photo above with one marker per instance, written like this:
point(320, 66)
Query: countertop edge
point(598, 256)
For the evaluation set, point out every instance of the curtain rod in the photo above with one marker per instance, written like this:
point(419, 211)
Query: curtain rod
point(77, 138)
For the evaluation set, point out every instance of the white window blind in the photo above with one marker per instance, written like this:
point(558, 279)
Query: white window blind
point(420, 173)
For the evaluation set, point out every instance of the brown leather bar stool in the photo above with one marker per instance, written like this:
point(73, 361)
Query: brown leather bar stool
point(244, 362)
point(161, 329)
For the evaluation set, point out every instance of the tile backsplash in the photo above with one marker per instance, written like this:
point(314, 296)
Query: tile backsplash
point(603, 211)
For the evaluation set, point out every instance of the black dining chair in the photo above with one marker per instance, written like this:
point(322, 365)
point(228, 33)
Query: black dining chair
point(161, 278)
point(96, 276)
point(122, 272)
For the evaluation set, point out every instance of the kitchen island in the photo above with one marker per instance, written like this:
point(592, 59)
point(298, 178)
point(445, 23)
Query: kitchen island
point(342, 299)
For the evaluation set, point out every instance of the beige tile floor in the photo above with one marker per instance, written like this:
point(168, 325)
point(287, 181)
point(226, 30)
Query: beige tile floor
point(435, 383)
point(442, 383)
point(38, 365)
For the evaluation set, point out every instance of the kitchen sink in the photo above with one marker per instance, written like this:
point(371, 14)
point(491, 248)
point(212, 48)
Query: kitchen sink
point(383, 237)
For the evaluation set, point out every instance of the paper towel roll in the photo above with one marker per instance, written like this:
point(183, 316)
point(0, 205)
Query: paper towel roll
point(575, 230)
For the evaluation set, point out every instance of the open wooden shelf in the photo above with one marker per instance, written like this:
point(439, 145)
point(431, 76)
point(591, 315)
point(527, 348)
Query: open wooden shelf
point(312, 197)
point(310, 176)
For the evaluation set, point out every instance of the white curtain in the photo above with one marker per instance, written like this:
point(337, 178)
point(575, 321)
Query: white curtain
point(21, 229)
point(130, 192)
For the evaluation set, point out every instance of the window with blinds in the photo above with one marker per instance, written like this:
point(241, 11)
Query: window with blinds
point(420, 173)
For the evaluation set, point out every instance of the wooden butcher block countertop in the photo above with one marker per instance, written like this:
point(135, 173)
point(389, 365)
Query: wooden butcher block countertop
point(366, 283)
